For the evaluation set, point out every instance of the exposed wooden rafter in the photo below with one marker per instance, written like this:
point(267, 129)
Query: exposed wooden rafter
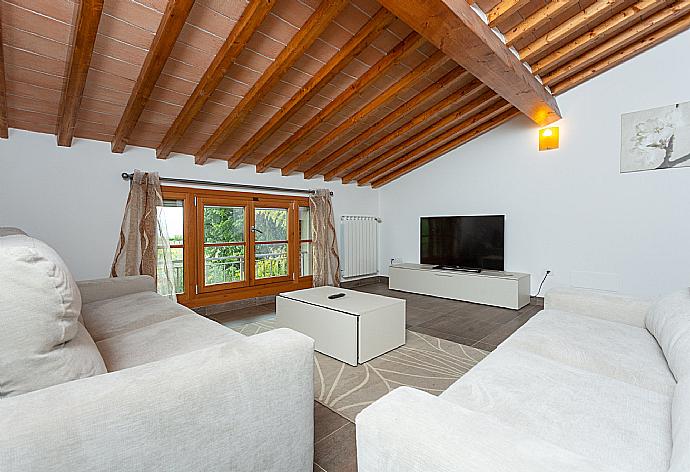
point(504, 10)
point(474, 106)
point(81, 48)
point(594, 13)
point(4, 132)
point(597, 35)
point(627, 37)
point(340, 96)
point(337, 63)
point(623, 55)
point(457, 30)
point(298, 45)
point(365, 157)
point(435, 61)
point(403, 110)
point(537, 20)
point(407, 45)
point(171, 24)
point(459, 141)
point(497, 107)
point(245, 27)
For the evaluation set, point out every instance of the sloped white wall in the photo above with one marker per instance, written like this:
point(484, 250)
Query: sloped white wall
point(568, 210)
point(73, 198)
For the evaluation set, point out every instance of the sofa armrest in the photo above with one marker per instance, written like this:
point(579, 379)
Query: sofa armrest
point(103, 289)
point(409, 430)
point(605, 306)
point(242, 405)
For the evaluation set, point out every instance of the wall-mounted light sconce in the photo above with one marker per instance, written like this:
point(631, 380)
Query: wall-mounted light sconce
point(548, 138)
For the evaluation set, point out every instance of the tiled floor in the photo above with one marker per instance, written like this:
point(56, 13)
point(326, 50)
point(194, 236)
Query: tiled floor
point(484, 327)
point(481, 326)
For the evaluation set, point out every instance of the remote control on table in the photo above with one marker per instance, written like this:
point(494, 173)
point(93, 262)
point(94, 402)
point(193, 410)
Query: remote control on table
point(336, 295)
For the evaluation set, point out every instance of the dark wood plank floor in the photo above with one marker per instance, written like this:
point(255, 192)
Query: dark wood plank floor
point(484, 327)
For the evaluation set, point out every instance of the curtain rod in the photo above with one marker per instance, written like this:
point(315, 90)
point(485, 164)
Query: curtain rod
point(126, 176)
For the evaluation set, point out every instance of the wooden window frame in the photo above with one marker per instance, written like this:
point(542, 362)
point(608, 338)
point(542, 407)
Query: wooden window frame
point(203, 201)
point(194, 200)
point(290, 242)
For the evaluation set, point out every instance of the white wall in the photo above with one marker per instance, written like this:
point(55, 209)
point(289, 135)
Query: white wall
point(73, 198)
point(568, 210)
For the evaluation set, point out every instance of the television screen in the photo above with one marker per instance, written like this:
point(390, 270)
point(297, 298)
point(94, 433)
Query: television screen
point(472, 242)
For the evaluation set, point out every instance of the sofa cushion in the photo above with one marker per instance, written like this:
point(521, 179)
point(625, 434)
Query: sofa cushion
point(680, 424)
point(669, 322)
point(161, 340)
point(616, 350)
point(42, 342)
point(614, 423)
point(107, 318)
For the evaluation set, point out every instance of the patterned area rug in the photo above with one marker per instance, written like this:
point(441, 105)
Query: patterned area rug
point(424, 362)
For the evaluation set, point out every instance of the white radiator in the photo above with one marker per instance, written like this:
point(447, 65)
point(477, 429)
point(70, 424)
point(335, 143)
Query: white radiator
point(360, 241)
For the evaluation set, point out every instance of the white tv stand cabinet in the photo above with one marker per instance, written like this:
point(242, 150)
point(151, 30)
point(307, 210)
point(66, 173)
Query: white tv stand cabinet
point(504, 289)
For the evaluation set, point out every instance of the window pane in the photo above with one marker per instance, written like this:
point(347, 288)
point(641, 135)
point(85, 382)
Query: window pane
point(171, 215)
point(271, 224)
point(177, 266)
point(223, 224)
point(304, 223)
point(271, 260)
point(304, 259)
point(223, 264)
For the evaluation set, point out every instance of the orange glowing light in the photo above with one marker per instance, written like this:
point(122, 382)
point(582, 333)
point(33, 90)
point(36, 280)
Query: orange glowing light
point(548, 138)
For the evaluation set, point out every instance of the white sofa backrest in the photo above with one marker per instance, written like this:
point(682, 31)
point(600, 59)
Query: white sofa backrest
point(669, 322)
point(42, 342)
point(680, 426)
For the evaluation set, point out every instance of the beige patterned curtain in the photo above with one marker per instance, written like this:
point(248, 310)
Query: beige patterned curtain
point(143, 247)
point(325, 260)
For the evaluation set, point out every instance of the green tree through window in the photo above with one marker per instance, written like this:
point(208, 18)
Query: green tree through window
point(271, 260)
point(223, 263)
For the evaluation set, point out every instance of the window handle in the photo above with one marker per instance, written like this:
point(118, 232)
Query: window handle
point(256, 230)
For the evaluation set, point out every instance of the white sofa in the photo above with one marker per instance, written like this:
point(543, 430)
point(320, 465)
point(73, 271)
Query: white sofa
point(594, 382)
point(181, 392)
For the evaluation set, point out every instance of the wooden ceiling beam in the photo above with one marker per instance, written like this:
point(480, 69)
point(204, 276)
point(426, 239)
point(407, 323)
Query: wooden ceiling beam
point(592, 14)
point(252, 16)
point(4, 124)
point(434, 62)
point(88, 16)
point(380, 21)
point(624, 54)
point(486, 113)
point(599, 34)
point(537, 20)
point(457, 30)
point(169, 29)
point(504, 10)
point(624, 39)
point(467, 109)
point(319, 20)
point(459, 141)
point(392, 117)
point(364, 157)
point(406, 46)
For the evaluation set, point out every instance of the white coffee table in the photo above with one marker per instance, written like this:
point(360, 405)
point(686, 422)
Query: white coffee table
point(353, 329)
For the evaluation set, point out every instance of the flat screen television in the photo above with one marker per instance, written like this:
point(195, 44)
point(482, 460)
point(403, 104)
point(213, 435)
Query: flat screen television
point(462, 242)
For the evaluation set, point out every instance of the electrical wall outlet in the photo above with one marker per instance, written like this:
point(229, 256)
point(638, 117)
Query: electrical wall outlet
point(396, 261)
